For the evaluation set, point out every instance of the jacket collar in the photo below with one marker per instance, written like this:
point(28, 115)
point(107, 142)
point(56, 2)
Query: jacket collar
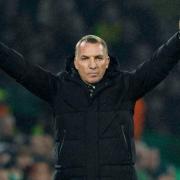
point(71, 74)
point(112, 70)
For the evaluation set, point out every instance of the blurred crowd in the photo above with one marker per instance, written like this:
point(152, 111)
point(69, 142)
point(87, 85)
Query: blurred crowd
point(45, 32)
point(149, 165)
point(22, 156)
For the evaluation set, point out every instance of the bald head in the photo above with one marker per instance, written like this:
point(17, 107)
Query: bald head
point(91, 39)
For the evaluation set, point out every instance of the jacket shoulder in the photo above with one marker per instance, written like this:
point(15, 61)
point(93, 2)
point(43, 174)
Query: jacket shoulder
point(61, 75)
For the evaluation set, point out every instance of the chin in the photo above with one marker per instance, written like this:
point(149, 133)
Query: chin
point(93, 81)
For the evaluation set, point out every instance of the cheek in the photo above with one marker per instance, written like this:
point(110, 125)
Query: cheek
point(104, 68)
point(75, 64)
point(82, 70)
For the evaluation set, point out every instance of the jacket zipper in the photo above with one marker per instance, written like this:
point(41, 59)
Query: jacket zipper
point(62, 144)
point(59, 149)
point(124, 136)
point(125, 141)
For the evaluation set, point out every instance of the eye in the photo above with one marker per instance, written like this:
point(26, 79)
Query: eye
point(99, 58)
point(84, 58)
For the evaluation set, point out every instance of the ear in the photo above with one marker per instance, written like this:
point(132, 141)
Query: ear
point(75, 64)
point(107, 62)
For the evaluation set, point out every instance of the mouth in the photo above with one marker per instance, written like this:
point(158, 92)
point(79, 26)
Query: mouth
point(93, 74)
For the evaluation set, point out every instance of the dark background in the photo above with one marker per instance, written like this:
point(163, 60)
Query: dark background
point(46, 31)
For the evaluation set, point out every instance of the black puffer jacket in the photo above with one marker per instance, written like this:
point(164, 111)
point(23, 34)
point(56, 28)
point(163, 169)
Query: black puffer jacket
point(94, 129)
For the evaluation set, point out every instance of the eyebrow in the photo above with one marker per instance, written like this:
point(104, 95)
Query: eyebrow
point(84, 56)
point(96, 56)
point(99, 56)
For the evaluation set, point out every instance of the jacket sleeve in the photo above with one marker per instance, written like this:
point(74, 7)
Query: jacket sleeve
point(37, 80)
point(152, 72)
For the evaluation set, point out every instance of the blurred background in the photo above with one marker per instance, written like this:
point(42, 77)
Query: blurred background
point(45, 32)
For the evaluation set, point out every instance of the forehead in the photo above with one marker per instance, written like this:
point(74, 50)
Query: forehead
point(87, 48)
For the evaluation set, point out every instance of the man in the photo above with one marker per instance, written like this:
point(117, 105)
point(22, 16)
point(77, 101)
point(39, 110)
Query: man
point(93, 104)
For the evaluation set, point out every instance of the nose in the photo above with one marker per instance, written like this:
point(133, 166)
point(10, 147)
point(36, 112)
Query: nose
point(92, 63)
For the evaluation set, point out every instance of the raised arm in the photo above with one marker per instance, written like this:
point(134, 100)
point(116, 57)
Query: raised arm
point(152, 72)
point(40, 82)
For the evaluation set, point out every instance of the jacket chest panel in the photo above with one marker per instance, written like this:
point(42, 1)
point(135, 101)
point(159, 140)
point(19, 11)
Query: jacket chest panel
point(114, 98)
point(74, 98)
point(71, 98)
